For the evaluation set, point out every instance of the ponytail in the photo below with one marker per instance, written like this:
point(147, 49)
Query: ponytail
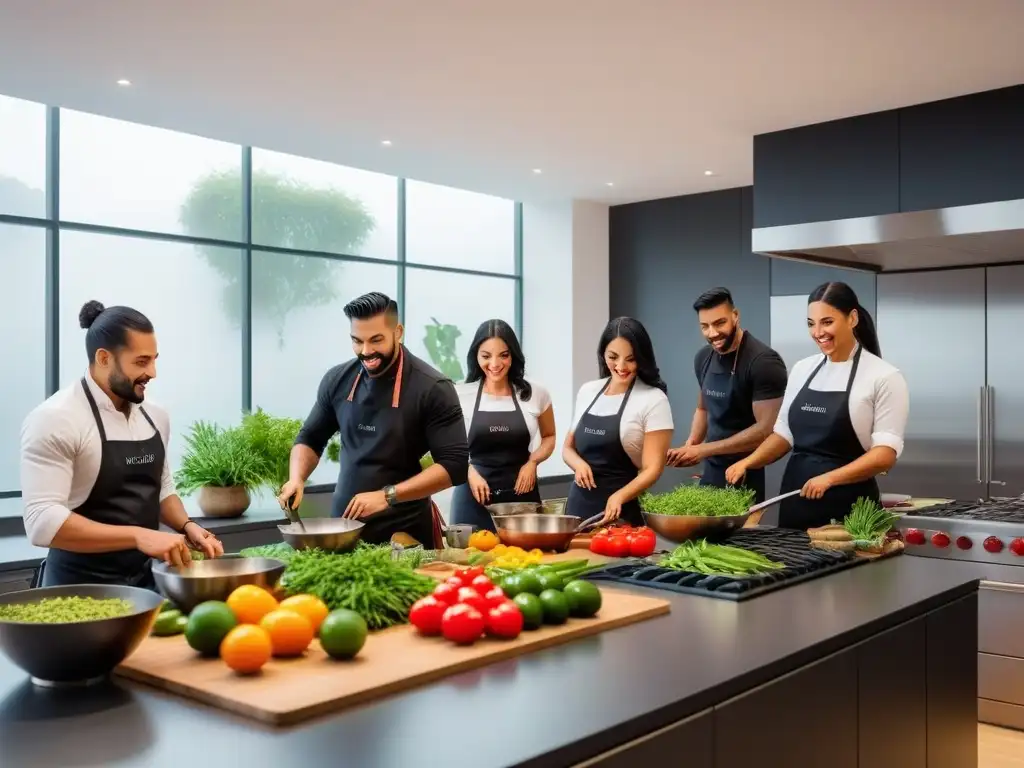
point(842, 297)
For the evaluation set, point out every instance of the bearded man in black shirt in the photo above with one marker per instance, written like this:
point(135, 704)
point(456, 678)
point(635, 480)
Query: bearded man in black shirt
point(390, 408)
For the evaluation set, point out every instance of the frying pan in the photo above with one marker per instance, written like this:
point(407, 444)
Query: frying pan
point(549, 533)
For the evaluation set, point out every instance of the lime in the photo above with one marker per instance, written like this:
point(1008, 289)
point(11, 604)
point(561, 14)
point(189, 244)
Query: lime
point(545, 570)
point(532, 610)
point(166, 623)
point(208, 624)
point(530, 582)
point(511, 584)
point(556, 606)
point(342, 634)
point(584, 598)
point(550, 580)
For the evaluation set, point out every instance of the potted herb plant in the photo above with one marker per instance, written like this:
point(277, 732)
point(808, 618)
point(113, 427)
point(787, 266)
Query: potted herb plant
point(271, 439)
point(221, 465)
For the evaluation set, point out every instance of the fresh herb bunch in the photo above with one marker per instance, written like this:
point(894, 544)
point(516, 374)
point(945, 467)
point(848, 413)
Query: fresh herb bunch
point(699, 500)
point(868, 521)
point(717, 559)
point(366, 581)
point(218, 458)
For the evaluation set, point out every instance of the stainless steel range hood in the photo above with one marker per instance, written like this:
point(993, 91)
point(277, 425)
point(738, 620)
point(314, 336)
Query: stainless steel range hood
point(970, 235)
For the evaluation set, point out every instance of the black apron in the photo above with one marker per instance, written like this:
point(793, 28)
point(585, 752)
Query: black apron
point(127, 492)
point(727, 416)
point(499, 446)
point(823, 440)
point(374, 456)
point(598, 443)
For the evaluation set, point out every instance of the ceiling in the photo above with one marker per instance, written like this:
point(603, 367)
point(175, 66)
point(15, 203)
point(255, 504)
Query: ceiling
point(646, 95)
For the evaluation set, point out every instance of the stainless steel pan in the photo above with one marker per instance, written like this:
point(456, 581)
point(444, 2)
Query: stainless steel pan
point(549, 533)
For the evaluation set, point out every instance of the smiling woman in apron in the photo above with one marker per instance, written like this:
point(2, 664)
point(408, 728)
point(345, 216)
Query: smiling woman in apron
point(390, 408)
point(844, 415)
point(622, 427)
point(509, 422)
point(96, 483)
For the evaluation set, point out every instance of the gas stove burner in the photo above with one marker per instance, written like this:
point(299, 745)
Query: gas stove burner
point(1009, 511)
point(978, 531)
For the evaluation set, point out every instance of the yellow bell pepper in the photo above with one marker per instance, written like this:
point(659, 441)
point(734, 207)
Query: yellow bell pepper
point(485, 541)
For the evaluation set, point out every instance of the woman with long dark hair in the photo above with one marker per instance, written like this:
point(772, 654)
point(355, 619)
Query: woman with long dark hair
point(843, 415)
point(510, 424)
point(622, 427)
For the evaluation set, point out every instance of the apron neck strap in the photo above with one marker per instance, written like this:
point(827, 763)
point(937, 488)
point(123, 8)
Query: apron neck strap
point(396, 392)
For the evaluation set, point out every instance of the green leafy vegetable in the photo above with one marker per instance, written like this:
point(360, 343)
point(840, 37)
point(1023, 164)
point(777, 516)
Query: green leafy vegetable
point(218, 458)
point(60, 610)
point(868, 521)
point(717, 559)
point(279, 551)
point(699, 501)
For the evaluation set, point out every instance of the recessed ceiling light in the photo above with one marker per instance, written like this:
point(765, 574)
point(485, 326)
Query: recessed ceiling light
point(709, 173)
point(610, 183)
point(386, 142)
point(536, 170)
point(123, 81)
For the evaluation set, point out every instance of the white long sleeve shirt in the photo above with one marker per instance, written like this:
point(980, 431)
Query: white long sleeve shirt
point(61, 451)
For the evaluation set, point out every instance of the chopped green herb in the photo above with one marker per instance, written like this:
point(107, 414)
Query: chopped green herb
point(61, 610)
point(699, 501)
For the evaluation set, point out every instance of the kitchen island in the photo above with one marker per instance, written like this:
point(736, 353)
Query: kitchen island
point(875, 665)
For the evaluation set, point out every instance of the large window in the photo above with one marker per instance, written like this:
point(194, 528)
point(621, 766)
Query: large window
point(243, 259)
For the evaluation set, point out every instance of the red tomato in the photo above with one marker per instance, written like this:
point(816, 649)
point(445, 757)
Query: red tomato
point(495, 597)
point(455, 581)
point(505, 620)
point(599, 545)
point(469, 596)
point(447, 593)
point(466, 575)
point(617, 546)
point(462, 624)
point(482, 584)
point(642, 545)
point(426, 615)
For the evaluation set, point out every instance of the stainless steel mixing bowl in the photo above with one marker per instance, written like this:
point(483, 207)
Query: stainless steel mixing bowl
point(79, 652)
point(215, 579)
point(331, 534)
point(679, 528)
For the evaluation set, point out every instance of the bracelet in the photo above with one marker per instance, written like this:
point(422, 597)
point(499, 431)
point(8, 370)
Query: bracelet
point(185, 525)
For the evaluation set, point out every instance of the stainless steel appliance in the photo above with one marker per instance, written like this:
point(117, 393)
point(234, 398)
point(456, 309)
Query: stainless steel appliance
point(987, 532)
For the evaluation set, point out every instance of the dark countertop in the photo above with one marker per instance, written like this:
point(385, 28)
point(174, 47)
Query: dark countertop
point(534, 710)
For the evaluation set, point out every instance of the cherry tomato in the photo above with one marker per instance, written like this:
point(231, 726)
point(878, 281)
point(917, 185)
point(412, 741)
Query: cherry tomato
point(641, 545)
point(617, 546)
point(599, 545)
point(462, 624)
point(466, 575)
point(495, 597)
point(505, 620)
point(469, 596)
point(482, 584)
point(447, 593)
point(426, 615)
point(455, 581)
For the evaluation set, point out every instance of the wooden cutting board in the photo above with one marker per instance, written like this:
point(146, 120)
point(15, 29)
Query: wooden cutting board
point(288, 691)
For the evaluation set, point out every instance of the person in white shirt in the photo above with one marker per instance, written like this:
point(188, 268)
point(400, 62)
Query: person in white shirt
point(622, 428)
point(844, 415)
point(510, 424)
point(94, 477)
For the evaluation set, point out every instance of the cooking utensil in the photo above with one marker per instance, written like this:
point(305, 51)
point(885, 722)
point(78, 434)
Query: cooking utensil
point(83, 652)
point(457, 536)
point(331, 534)
point(678, 528)
point(214, 579)
point(755, 512)
point(503, 509)
point(293, 514)
point(550, 533)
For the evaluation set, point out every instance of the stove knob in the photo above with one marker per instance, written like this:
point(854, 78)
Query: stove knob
point(1017, 546)
point(964, 542)
point(913, 536)
point(940, 540)
point(993, 545)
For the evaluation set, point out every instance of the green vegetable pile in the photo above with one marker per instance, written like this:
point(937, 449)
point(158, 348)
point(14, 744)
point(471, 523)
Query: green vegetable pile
point(366, 580)
point(279, 551)
point(699, 501)
point(218, 458)
point(868, 522)
point(717, 559)
point(61, 610)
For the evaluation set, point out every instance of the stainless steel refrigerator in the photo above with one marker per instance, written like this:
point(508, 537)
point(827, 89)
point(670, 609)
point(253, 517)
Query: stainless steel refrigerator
point(958, 337)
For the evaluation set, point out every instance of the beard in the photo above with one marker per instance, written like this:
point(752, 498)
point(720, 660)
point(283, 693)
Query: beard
point(124, 387)
point(730, 339)
point(385, 361)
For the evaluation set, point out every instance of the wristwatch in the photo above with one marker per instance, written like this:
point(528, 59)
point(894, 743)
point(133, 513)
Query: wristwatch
point(390, 495)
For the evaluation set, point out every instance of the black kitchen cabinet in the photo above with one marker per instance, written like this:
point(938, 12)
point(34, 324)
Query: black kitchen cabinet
point(962, 151)
point(893, 694)
point(691, 737)
point(952, 672)
point(837, 170)
point(807, 718)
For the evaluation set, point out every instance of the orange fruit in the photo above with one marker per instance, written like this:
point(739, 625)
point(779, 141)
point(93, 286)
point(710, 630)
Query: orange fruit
point(250, 603)
point(310, 606)
point(290, 632)
point(246, 648)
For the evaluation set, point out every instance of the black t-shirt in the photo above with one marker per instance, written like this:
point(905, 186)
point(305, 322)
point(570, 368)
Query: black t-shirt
point(760, 372)
point(429, 409)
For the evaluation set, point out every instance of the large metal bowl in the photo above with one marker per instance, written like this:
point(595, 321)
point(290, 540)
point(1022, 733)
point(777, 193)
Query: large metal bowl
point(82, 652)
point(331, 534)
point(215, 579)
point(679, 528)
point(506, 508)
point(549, 533)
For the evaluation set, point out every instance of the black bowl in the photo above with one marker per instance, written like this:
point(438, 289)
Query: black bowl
point(80, 651)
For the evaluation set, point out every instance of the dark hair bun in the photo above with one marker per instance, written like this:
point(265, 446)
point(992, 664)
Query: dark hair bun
point(89, 312)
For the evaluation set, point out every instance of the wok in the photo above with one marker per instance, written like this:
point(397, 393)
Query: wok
point(679, 528)
point(549, 533)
